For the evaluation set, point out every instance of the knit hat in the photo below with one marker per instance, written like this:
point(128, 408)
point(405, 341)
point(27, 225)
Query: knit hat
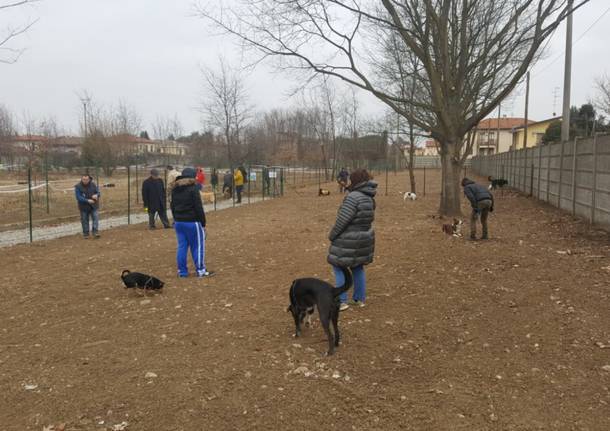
point(154, 172)
point(189, 173)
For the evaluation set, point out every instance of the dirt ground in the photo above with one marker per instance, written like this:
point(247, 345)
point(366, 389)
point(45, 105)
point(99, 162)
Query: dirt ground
point(509, 334)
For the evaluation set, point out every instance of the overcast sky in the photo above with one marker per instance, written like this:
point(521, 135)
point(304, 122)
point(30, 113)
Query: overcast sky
point(148, 53)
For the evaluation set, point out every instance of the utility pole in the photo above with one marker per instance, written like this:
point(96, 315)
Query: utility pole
point(85, 100)
point(567, 77)
point(527, 101)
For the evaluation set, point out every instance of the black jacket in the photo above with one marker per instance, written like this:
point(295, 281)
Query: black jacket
point(153, 194)
point(476, 193)
point(186, 201)
point(352, 238)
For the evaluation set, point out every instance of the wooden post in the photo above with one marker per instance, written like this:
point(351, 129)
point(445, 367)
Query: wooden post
point(532, 181)
point(594, 185)
point(574, 160)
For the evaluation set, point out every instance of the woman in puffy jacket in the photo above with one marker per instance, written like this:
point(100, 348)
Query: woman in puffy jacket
point(352, 239)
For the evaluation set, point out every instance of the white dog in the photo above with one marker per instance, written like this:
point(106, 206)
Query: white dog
point(409, 195)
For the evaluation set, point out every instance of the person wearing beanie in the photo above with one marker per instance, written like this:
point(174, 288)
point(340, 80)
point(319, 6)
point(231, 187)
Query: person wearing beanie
point(88, 198)
point(189, 223)
point(153, 197)
point(482, 202)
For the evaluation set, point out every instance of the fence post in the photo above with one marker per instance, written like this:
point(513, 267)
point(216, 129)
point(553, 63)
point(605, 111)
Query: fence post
point(574, 177)
point(594, 182)
point(539, 168)
point(137, 194)
point(249, 181)
point(532, 180)
point(30, 200)
point(233, 185)
point(386, 176)
point(548, 173)
point(282, 182)
point(166, 189)
point(424, 180)
point(128, 194)
point(560, 174)
point(46, 172)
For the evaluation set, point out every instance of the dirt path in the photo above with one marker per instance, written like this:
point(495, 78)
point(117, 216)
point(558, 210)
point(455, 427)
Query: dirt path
point(456, 335)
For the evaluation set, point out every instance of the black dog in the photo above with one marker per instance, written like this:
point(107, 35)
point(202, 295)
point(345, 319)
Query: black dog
point(307, 293)
point(141, 281)
point(497, 182)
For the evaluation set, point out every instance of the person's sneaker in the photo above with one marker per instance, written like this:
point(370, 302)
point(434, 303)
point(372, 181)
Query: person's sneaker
point(182, 275)
point(96, 235)
point(86, 236)
point(343, 306)
point(206, 274)
point(357, 303)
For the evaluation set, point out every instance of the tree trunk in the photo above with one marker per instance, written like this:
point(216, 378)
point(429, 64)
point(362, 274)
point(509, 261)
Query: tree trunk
point(450, 182)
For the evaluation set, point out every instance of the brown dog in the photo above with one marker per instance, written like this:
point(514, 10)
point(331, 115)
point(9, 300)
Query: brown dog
point(323, 192)
point(453, 229)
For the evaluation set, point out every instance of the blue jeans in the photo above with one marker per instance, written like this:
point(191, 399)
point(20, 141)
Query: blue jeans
point(359, 283)
point(190, 235)
point(85, 214)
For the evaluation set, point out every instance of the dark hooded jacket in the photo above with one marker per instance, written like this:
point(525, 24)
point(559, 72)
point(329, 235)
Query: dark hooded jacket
point(153, 194)
point(476, 192)
point(186, 201)
point(352, 239)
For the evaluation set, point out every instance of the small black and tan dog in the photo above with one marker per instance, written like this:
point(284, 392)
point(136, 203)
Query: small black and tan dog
point(495, 183)
point(309, 293)
point(141, 281)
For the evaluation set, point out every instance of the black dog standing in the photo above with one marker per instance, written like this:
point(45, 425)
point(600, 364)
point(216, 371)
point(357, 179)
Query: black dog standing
point(307, 293)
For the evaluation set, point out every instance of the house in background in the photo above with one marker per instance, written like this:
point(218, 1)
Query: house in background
point(535, 132)
point(495, 136)
point(430, 148)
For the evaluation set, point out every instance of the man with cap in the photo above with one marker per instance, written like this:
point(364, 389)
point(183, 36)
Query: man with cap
point(482, 202)
point(153, 197)
point(189, 222)
point(88, 198)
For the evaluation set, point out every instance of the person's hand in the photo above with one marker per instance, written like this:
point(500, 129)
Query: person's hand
point(94, 197)
point(91, 201)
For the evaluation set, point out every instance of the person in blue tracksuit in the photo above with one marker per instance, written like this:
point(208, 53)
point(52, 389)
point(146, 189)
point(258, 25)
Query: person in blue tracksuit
point(189, 223)
point(88, 197)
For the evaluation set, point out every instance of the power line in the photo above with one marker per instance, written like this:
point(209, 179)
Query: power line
point(573, 43)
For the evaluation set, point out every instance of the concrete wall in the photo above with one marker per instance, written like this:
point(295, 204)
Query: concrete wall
point(573, 176)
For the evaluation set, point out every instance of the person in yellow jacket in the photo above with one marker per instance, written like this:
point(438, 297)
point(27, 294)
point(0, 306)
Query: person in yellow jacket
point(238, 179)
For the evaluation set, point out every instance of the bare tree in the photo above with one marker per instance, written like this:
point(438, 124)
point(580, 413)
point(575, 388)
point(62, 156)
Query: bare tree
point(603, 98)
point(225, 106)
point(7, 131)
point(472, 54)
point(167, 128)
point(9, 54)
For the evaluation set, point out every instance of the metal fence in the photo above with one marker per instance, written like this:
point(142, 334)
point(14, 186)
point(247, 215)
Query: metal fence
point(37, 204)
point(573, 176)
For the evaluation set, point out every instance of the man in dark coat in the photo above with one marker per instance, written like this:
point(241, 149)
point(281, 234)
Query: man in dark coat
point(352, 238)
point(88, 198)
point(482, 202)
point(153, 196)
point(227, 184)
